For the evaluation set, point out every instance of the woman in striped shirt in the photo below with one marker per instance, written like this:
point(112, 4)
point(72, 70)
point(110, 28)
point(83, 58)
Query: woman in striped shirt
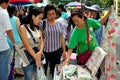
point(54, 43)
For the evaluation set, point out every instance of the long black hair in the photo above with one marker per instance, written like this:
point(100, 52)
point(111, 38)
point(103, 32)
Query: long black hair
point(35, 11)
point(11, 10)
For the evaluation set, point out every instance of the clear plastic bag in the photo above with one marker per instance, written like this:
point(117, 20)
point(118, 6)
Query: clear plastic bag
point(40, 74)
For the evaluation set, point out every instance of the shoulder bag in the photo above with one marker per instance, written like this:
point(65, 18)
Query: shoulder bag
point(83, 58)
point(25, 54)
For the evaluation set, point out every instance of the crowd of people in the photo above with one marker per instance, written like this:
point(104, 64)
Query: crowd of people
point(57, 39)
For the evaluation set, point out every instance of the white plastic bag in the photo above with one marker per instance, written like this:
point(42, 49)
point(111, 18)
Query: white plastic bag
point(40, 74)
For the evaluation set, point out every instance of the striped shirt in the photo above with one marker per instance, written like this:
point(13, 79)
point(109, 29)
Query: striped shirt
point(52, 40)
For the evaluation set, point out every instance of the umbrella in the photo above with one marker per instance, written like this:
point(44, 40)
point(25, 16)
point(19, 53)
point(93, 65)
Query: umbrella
point(11, 74)
point(41, 4)
point(23, 2)
point(73, 4)
point(27, 5)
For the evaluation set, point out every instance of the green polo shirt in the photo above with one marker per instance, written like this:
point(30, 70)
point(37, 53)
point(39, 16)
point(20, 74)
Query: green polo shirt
point(80, 36)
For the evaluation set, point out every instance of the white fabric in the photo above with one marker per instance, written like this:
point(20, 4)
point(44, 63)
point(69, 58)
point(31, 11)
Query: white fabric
point(36, 34)
point(4, 26)
point(93, 7)
point(95, 60)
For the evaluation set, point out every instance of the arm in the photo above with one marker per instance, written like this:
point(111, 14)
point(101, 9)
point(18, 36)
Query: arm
point(67, 61)
point(63, 43)
point(103, 20)
point(63, 47)
point(41, 47)
point(39, 54)
point(25, 41)
point(18, 23)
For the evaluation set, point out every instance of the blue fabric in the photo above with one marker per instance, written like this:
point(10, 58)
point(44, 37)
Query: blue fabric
point(99, 34)
point(17, 38)
point(4, 61)
point(29, 71)
point(64, 15)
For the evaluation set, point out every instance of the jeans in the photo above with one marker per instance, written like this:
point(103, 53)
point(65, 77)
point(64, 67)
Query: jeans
point(4, 61)
point(29, 72)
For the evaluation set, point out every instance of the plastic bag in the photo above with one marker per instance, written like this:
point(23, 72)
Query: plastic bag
point(40, 74)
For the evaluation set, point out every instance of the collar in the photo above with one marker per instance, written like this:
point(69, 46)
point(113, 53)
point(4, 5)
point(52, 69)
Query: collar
point(1, 8)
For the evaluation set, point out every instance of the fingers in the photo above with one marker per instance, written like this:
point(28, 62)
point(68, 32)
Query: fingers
point(38, 63)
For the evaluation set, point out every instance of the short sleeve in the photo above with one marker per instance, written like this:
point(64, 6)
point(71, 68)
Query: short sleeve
point(95, 23)
point(6, 21)
point(62, 29)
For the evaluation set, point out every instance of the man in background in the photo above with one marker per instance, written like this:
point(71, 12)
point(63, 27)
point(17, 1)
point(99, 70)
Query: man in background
point(5, 28)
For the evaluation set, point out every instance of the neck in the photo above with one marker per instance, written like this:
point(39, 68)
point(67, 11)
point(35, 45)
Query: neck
point(51, 22)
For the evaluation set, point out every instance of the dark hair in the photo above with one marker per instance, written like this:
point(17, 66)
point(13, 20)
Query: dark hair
point(79, 13)
point(98, 16)
point(58, 13)
point(61, 6)
point(11, 9)
point(6, 1)
point(31, 7)
point(35, 11)
point(48, 8)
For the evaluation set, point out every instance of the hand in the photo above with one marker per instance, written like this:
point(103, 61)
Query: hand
point(38, 56)
point(66, 62)
point(38, 63)
point(64, 56)
point(110, 10)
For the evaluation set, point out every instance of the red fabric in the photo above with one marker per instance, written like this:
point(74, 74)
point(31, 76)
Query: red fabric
point(13, 1)
point(83, 58)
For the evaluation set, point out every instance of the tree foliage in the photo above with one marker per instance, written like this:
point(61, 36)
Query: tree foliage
point(102, 3)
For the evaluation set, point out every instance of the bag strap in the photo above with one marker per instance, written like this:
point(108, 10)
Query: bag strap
point(87, 30)
point(30, 33)
point(87, 38)
point(13, 59)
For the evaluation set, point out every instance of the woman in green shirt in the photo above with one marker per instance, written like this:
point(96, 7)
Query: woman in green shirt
point(79, 33)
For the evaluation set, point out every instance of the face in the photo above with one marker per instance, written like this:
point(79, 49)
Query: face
point(51, 15)
point(21, 12)
point(93, 13)
point(79, 22)
point(37, 19)
point(5, 5)
point(60, 10)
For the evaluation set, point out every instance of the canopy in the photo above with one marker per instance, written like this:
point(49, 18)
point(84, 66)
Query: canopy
point(23, 2)
point(73, 4)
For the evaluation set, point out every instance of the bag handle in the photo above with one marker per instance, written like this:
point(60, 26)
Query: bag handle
point(87, 38)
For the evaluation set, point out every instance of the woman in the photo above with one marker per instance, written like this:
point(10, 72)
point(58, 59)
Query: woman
point(95, 13)
point(34, 18)
point(63, 11)
point(15, 22)
point(54, 39)
point(79, 34)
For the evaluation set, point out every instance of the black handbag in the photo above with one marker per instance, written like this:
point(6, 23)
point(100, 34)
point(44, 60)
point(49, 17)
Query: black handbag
point(29, 57)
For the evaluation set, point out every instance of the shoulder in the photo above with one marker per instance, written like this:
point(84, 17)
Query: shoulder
point(22, 27)
point(92, 21)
